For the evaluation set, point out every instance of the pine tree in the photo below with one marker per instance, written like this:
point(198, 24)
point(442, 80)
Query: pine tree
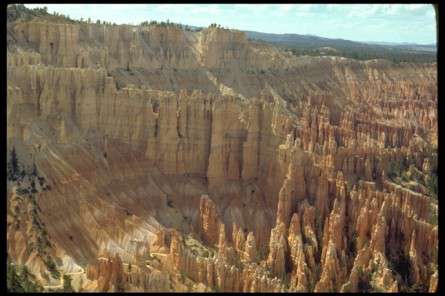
point(67, 284)
point(26, 280)
point(12, 280)
point(14, 161)
point(12, 166)
point(34, 170)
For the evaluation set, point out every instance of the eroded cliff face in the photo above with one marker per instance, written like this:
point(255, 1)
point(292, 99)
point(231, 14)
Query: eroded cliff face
point(207, 162)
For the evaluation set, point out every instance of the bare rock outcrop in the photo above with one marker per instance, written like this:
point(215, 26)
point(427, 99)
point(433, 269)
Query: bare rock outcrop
point(209, 222)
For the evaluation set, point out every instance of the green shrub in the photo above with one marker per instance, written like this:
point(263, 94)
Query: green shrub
point(49, 262)
point(20, 280)
point(431, 185)
point(364, 281)
point(67, 284)
point(401, 265)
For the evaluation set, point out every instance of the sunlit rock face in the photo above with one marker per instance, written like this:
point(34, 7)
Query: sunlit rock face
point(208, 162)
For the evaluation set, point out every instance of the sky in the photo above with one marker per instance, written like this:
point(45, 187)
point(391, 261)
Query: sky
point(411, 23)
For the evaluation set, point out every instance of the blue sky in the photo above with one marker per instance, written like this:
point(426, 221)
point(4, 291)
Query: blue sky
point(414, 23)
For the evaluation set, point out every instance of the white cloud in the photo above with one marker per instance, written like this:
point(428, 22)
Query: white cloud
point(286, 7)
point(172, 7)
point(188, 8)
point(332, 6)
point(304, 7)
point(259, 9)
point(416, 7)
point(212, 9)
point(363, 10)
point(392, 9)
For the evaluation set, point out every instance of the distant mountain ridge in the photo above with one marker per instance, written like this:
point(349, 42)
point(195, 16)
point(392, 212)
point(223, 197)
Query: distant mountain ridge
point(297, 40)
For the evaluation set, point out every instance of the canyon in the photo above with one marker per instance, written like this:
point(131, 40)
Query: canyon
point(159, 159)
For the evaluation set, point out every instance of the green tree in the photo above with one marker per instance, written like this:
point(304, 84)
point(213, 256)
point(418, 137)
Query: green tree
point(14, 162)
point(49, 263)
point(12, 279)
point(34, 170)
point(431, 184)
point(67, 284)
point(22, 281)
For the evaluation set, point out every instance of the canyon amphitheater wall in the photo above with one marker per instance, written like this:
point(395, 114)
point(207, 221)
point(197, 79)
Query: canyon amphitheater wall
point(279, 167)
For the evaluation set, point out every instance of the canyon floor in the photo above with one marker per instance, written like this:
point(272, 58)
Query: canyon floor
point(152, 158)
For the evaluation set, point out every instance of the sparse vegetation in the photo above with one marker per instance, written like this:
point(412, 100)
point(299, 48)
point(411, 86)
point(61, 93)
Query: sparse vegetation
point(197, 248)
point(20, 280)
point(286, 280)
point(12, 166)
point(162, 24)
point(364, 282)
point(367, 53)
point(183, 276)
point(403, 174)
point(67, 284)
point(20, 12)
point(51, 266)
point(401, 265)
point(262, 253)
point(352, 243)
point(16, 12)
point(40, 243)
point(416, 288)
point(395, 169)
point(432, 185)
point(237, 262)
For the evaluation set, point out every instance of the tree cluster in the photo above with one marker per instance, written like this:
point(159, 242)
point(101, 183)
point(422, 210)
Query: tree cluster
point(14, 171)
point(161, 24)
point(369, 53)
point(20, 12)
point(20, 280)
